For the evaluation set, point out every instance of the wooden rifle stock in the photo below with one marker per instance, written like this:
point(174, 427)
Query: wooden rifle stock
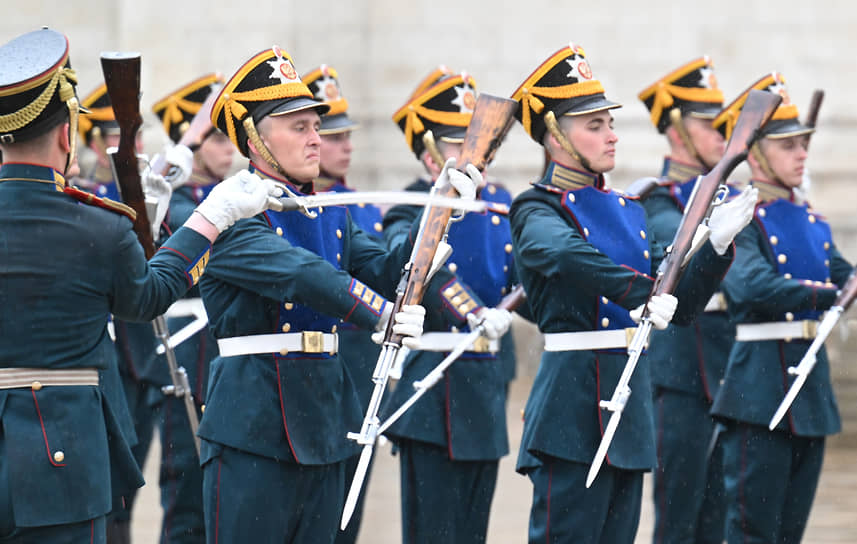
point(757, 110)
point(122, 76)
point(492, 118)
point(196, 132)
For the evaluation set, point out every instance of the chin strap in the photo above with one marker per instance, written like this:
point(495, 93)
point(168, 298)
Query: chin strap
point(431, 147)
point(677, 123)
point(261, 148)
point(553, 126)
point(764, 164)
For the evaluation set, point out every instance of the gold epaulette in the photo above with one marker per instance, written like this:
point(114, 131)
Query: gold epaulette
point(100, 202)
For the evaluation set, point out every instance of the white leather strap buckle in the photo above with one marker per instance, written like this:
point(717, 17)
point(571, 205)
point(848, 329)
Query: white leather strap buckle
point(777, 330)
point(717, 303)
point(36, 378)
point(448, 341)
point(586, 340)
point(282, 343)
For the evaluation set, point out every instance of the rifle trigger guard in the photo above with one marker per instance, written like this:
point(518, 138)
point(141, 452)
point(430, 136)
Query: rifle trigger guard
point(720, 195)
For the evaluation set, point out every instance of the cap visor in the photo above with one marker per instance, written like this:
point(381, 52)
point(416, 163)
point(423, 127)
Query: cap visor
point(335, 124)
point(299, 103)
point(598, 103)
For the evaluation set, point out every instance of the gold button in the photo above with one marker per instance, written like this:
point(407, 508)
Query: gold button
point(36, 385)
point(774, 240)
point(790, 316)
point(762, 213)
point(812, 219)
point(492, 189)
point(453, 267)
point(571, 197)
point(59, 456)
point(787, 276)
point(827, 263)
point(288, 305)
point(586, 232)
point(522, 413)
point(338, 257)
point(495, 220)
point(643, 234)
point(782, 258)
point(605, 322)
point(287, 327)
point(449, 292)
point(338, 233)
point(646, 254)
point(279, 231)
point(378, 227)
point(505, 268)
point(828, 283)
point(826, 245)
point(463, 309)
point(722, 381)
point(453, 329)
point(508, 248)
point(502, 290)
point(333, 329)
point(284, 352)
point(361, 205)
point(604, 300)
point(456, 300)
point(202, 408)
point(621, 201)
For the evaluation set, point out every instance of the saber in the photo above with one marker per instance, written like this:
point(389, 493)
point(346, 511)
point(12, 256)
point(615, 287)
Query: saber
point(304, 203)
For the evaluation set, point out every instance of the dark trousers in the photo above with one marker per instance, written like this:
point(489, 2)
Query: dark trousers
point(90, 532)
point(349, 535)
point(444, 500)
point(770, 481)
point(564, 511)
point(249, 498)
point(688, 484)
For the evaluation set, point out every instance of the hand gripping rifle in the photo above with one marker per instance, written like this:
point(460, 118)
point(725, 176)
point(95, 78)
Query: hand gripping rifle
point(122, 76)
point(807, 363)
point(492, 118)
point(689, 237)
point(510, 302)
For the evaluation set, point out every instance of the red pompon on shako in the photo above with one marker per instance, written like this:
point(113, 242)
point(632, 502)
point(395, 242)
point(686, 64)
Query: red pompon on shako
point(97, 201)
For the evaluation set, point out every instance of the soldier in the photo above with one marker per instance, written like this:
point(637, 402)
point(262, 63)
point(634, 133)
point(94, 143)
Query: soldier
point(359, 352)
point(279, 399)
point(785, 274)
point(180, 473)
point(134, 342)
point(450, 442)
point(585, 256)
point(687, 362)
point(72, 259)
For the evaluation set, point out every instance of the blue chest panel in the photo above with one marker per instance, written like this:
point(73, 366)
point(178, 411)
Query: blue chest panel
point(199, 192)
point(482, 251)
point(800, 241)
point(323, 236)
point(681, 192)
point(617, 227)
point(107, 190)
point(366, 216)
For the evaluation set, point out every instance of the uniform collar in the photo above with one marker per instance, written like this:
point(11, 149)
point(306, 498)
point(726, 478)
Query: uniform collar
point(19, 171)
point(678, 172)
point(570, 179)
point(324, 182)
point(201, 180)
point(769, 192)
point(304, 188)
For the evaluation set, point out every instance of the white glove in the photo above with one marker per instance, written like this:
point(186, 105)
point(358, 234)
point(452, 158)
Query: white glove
point(237, 197)
point(156, 194)
point(661, 310)
point(408, 322)
point(730, 218)
point(180, 160)
point(465, 184)
point(494, 321)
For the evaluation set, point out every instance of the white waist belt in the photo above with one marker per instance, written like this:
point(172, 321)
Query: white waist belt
point(448, 341)
point(778, 330)
point(585, 340)
point(282, 343)
point(14, 378)
point(717, 303)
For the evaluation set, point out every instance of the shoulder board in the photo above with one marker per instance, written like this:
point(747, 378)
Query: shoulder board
point(99, 202)
point(548, 188)
point(642, 187)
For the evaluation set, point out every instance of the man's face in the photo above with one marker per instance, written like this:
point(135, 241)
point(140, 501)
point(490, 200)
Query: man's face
point(214, 155)
point(592, 136)
point(707, 140)
point(336, 153)
point(786, 157)
point(294, 142)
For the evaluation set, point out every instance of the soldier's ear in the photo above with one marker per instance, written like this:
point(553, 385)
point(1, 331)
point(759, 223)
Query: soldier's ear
point(672, 136)
point(64, 139)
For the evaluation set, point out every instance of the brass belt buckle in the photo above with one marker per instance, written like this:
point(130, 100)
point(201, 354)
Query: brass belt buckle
point(312, 342)
point(810, 329)
point(481, 345)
